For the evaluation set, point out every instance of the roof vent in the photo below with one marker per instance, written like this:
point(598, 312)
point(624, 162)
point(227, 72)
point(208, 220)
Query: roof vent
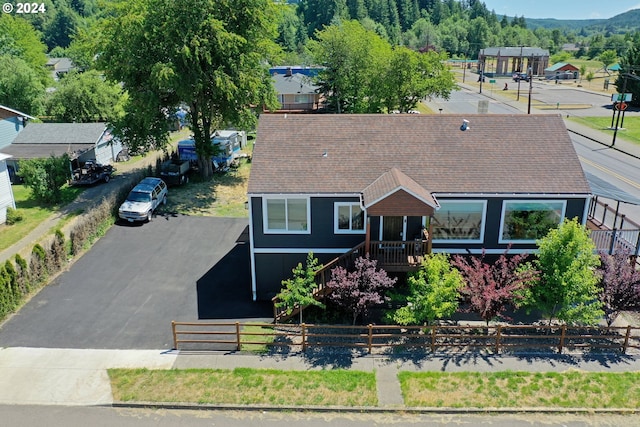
point(465, 125)
point(325, 154)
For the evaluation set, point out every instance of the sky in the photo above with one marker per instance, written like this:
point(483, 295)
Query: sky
point(562, 9)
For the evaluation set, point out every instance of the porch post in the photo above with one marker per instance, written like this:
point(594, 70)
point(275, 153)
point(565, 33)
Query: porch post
point(367, 238)
point(429, 237)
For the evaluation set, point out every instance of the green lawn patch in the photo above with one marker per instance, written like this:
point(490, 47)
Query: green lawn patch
point(631, 131)
point(33, 213)
point(256, 334)
point(510, 389)
point(245, 386)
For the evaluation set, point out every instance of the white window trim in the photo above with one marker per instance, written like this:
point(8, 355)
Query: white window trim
point(504, 207)
point(265, 219)
point(482, 225)
point(336, 230)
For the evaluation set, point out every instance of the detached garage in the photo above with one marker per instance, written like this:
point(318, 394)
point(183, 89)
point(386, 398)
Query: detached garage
point(81, 141)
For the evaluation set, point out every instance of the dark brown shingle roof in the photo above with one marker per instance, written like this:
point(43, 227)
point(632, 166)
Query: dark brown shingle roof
point(499, 154)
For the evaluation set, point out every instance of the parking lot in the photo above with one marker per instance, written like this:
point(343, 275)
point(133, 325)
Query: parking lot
point(125, 291)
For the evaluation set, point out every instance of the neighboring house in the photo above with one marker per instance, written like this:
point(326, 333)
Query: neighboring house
point(296, 92)
point(59, 67)
point(81, 141)
point(562, 71)
point(6, 193)
point(399, 186)
point(11, 124)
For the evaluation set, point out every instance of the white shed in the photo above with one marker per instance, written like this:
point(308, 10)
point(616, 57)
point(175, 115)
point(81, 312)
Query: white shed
point(6, 193)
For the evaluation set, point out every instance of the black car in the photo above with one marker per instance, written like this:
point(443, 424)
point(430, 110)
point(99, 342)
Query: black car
point(520, 76)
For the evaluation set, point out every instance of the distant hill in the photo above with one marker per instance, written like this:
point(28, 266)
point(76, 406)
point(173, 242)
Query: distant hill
point(628, 21)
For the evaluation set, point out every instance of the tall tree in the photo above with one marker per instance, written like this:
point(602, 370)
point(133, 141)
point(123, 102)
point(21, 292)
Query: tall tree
point(607, 58)
point(629, 76)
point(568, 288)
point(620, 284)
point(357, 291)
point(208, 54)
point(433, 292)
point(20, 86)
point(86, 97)
point(18, 38)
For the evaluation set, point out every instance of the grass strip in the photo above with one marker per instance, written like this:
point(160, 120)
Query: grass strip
point(631, 131)
point(245, 386)
point(510, 389)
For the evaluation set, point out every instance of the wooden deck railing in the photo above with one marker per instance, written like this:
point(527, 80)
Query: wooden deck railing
point(454, 338)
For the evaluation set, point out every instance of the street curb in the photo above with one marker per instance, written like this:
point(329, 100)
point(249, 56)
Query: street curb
point(369, 409)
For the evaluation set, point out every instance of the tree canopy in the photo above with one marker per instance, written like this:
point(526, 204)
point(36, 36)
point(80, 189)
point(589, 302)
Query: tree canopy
point(208, 54)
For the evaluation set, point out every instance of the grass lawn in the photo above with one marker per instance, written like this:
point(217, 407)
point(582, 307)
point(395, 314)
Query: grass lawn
point(245, 386)
point(631, 131)
point(224, 195)
point(33, 213)
point(521, 389)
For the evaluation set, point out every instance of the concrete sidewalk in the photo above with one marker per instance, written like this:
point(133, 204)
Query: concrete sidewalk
point(74, 377)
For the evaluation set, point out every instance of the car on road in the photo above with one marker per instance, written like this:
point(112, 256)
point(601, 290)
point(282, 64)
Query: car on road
point(143, 200)
point(520, 76)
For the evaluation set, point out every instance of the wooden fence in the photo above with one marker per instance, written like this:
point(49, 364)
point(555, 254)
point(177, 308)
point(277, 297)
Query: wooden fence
point(458, 338)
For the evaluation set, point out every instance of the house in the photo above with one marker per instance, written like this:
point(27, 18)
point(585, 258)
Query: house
point(59, 67)
point(6, 193)
point(81, 141)
point(562, 71)
point(11, 124)
point(399, 186)
point(296, 92)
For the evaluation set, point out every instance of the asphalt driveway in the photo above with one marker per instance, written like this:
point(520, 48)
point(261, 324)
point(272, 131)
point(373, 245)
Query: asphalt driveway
point(125, 291)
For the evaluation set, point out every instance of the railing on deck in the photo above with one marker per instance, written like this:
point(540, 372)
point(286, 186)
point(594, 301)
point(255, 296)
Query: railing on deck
point(614, 231)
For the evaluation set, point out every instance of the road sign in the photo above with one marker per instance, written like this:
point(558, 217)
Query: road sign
point(492, 81)
point(617, 97)
point(620, 106)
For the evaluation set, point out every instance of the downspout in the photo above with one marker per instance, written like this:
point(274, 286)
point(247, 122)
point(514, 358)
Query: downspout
point(252, 255)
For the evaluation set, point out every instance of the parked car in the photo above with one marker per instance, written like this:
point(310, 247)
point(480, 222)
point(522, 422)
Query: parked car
point(143, 200)
point(520, 76)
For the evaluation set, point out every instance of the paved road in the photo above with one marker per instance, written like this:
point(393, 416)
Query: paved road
point(59, 416)
point(124, 293)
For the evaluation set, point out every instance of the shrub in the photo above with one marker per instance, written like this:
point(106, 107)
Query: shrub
point(13, 216)
point(22, 275)
point(37, 267)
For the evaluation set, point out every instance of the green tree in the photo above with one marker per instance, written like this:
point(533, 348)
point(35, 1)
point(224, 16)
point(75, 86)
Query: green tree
point(45, 177)
point(208, 54)
point(411, 76)
point(568, 287)
point(607, 58)
point(433, 292)
point(297, 292)
point(86, 97)
point(20, 86)
point(20, 39)
point(352, 56)
point(629, 75)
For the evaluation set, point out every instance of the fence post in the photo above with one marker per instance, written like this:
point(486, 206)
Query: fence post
point(370, 338)
point(604, 213)
point(239, 346)
point(175, 334)
point(304, 337)
point(613, 241)
point(433, 338)
point(626, 340)
point(562, 334)
point(498, 333)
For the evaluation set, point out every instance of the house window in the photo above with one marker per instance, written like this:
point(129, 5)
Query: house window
point(348, 218)
point(303, 99)
point(286, 215)
point(459, 220)
point(525, 221)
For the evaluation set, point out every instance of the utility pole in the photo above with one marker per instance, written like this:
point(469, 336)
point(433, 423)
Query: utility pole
point(530, 74)
point(518, 71)
point(615, 130)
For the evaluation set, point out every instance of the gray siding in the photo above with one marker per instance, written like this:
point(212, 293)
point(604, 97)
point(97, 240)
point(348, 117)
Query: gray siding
point(6, 193)
point(9, 129)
